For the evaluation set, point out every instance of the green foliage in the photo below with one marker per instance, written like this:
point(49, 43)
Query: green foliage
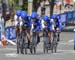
point(25, 5)
point(16, 4)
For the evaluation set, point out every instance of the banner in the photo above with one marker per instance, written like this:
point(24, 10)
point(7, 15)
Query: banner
point(73, 15)
point(10, 33)
point(63, 17)
point(69, 15)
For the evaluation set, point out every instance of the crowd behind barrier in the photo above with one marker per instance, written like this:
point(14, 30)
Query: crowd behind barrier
point(64, 18)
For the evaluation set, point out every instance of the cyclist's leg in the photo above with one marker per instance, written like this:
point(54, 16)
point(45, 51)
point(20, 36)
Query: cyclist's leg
point(52, 36)
point(49, 36)
point(38, 38)
point(45, 34)
point(22, 39)
point(58, 34)
point(17, 34)
point(34, 39)
point(28, 37)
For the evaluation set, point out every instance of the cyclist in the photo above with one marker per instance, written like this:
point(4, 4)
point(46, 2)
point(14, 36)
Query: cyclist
point(58, 25)
point(28, 30)
point(36, 25)
point(18, 20)
point(26, 25)
point(18, 23)
point(46, 27)
point(52, 29)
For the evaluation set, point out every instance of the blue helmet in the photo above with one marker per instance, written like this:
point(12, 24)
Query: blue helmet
point(34, 15)
point(18, 12)
point(24, 14)
point(46, 18)
point(54, 16)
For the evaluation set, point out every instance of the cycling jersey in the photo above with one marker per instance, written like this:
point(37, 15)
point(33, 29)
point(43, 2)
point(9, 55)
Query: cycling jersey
point(18, 20)
point(58, 25)
point(36, 25)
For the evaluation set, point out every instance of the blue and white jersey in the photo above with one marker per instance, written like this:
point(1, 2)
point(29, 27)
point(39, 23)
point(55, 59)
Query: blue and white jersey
point(18, 20)
point(46, 24)
point(42, 23)
point(36, 26)
point(29, 23)
point(52, 25)
point(58, 24)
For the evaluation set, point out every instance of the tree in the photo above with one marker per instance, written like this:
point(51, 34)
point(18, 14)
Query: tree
point(51, 2)
point(23, 7)
point(36, 4)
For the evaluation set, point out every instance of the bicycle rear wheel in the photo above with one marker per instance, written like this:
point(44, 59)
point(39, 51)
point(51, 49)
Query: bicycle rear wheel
point(25, 51)
point(34, 50)
point(55, 41)
point(44, 47)
point(18, 45)
point(17, 48)
point(52, 46)
point(55, 48)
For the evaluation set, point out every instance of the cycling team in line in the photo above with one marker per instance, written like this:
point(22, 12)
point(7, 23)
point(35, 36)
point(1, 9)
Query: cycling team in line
point(37, 24)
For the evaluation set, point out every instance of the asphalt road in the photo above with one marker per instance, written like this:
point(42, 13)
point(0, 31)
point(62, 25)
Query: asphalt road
point(64, 52)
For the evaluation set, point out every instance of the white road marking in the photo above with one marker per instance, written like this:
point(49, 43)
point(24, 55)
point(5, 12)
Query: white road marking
point(11, 55)
point(65, 51)
point(65, 43)
point(70, 27)
point(8, 49)
point(70, 41)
